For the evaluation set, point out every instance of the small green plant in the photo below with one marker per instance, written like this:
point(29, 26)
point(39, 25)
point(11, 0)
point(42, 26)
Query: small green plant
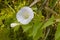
point(45, 25)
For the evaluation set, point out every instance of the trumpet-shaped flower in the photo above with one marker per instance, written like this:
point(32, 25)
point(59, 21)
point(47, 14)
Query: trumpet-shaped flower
point(25, 15)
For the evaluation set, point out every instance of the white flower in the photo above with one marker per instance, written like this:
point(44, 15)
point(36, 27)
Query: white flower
point(25, 15)
point(14, 24)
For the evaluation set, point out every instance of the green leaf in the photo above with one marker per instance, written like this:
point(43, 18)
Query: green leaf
point(57, 35)
point(36, 28)
point(37, 32)
point(16, 28)
point(26, 27)
point(48, 23)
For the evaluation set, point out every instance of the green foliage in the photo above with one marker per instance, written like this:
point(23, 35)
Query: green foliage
point(37, 28)
point(49, 22)
point(4, 34)
point(57, 35)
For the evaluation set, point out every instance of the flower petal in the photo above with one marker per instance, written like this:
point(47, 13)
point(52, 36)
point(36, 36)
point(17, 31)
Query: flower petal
point(23, 13)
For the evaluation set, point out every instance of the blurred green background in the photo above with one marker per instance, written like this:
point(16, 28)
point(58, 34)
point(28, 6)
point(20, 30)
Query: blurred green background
point(44, 26)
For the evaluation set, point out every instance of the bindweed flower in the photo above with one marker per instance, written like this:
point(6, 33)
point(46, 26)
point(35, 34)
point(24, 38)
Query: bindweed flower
point(25, 15)
point(14, 24)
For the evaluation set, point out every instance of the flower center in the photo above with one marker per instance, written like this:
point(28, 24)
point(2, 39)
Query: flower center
point(25, 15)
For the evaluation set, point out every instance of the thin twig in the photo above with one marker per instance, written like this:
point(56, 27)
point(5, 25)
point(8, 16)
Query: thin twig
point(55, 3)
point(47, 34)
point(43, 5)
point(34, 2)
point(51, 10)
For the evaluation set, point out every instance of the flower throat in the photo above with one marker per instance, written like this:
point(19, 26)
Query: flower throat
point(25, 15)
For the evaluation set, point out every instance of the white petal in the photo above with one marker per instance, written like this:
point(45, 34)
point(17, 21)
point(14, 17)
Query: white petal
point(25, 12)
